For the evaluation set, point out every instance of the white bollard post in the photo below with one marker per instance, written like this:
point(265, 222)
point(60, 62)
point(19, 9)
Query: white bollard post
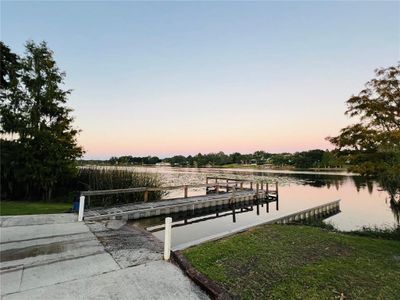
point(167, 238)
point(81, 208)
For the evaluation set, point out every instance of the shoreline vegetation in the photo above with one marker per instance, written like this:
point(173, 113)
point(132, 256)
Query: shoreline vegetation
point(303, 262)
point(100, 178)
point(388, 233)
point(89, 178)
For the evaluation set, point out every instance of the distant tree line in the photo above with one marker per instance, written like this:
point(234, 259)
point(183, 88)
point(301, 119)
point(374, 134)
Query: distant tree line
point(147, 160)
point(302, 160)
point(305, 159)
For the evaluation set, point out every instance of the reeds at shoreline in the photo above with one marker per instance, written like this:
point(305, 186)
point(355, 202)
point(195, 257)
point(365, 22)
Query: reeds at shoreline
point(99, 178)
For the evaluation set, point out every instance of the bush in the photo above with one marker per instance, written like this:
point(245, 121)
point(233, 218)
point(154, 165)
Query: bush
point(379, 233)
point(388, 233)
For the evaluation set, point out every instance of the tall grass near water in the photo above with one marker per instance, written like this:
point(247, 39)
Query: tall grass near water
point(98, 178)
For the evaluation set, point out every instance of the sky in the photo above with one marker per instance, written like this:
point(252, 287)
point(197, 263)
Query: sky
point(167, 78)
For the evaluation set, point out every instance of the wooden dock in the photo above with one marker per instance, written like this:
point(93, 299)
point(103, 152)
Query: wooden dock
point(231, 192)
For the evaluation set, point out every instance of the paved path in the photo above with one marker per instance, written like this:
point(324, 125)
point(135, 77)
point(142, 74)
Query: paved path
point(55, 257)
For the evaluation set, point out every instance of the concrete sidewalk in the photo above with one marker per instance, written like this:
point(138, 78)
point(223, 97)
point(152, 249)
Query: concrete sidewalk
point(55, 257)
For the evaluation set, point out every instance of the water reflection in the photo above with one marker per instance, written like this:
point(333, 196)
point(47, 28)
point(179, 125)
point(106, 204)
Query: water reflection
point(204, 223)
point(320, 180)
point(261, 206)
point(363, 202)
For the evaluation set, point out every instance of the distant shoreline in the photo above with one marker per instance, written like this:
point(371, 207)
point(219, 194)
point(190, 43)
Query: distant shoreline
point(238, 167)
point(283, 168)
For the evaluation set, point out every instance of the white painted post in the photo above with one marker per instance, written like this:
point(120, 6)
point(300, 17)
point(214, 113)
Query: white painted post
point(81, 208)
point(167, 238)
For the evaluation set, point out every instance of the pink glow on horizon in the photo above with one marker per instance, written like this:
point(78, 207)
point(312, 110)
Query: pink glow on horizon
point(104, 147)
point(181, 132)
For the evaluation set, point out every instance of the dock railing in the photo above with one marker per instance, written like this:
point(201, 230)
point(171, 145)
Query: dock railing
point(230, 185)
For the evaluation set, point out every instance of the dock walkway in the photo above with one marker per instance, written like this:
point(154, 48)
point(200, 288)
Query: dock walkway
point(164, 207)
point(218, 195)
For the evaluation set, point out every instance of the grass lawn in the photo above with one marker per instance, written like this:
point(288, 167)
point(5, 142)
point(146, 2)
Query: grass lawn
point(8, 208)
point(301, 262)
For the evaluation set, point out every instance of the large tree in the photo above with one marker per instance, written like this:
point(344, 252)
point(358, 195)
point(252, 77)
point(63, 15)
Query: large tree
point(39, 146)
point(372, 143)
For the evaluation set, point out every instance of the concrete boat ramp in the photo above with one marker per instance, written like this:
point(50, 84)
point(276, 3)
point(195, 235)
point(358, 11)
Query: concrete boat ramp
point(55, 257)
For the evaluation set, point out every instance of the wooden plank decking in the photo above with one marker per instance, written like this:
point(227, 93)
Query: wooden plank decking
point(164, 207)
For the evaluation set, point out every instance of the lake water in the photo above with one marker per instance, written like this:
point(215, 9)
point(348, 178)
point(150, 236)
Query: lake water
point(363, 203)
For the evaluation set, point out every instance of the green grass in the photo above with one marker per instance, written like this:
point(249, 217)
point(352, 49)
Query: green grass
point(9, 208)
point(301, 262)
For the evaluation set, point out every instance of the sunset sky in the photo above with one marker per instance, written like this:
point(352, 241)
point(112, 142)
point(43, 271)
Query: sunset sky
point(166, 78)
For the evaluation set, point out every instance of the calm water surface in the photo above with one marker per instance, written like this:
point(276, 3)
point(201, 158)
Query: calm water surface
point(363, 203)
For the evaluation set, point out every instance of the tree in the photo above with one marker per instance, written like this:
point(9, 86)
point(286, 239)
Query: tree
point(236, 158)
point(178, 160)
point(36, 122)
point(282, 159)
point(308, 159)
point(373, 142)
point(329, 159)
point(9, 78)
